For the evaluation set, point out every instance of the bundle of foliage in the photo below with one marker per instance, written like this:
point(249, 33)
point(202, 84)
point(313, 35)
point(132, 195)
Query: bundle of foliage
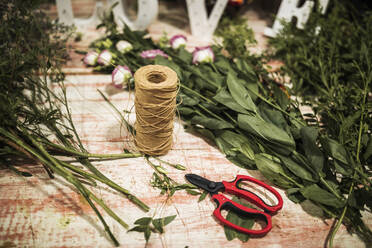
point(236, 103)
point(36, 122)
point(329, 66)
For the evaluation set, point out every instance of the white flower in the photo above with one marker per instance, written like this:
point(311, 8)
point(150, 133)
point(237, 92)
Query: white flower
point(124, 46)
point(91, 58)
point(202, 55)
point(104, 58)
point(177, 41)
point(121, 76)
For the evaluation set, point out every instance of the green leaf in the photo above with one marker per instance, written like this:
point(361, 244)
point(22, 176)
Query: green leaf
point(211, 123)
point(368, 150)
point(295, 195)
point(161, 222)
point(192, 192)
point(158, 225)
point(225, 147)
point(240, 93)
point(185, 110)
point(281, 98)
point(138, 229)
point(184, 55)
point(271, 168)
point(268, 131)
point(335, 150)
point(309, 136)
point(225, 98)
point(168, 219)
point(297, 169)
point(242, 221)
point(143, 221)
point(239, 142)
point(187, 100)
point(147, 234)
point(203, 195)
point(315, 193)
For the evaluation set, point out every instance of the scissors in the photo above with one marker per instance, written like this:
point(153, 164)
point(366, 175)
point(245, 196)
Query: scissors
point(233, 188)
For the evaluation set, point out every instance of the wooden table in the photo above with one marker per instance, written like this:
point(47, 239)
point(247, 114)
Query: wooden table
point(40, 212)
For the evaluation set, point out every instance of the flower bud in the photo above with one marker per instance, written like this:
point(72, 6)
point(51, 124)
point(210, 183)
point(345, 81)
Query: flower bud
point(124, 46)
point(90, 58)
point(104, 58)
point(202, 55)
point(121, 76)
point(151, 54)
point(177, 41)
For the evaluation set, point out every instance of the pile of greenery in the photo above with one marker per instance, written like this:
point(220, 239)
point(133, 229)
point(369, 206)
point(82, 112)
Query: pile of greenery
point(236, 103)
point(329, 64)
point(36, 123)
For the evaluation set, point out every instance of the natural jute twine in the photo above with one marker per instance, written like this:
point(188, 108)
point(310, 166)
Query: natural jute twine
point(156, 90)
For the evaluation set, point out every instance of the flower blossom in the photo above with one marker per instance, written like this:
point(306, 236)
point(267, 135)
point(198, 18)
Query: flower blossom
point(202, 55)
point(104, 58)
point(90, 58)
point(151, 54)
point(177, 41)
point(121, 76)
point(124, 46)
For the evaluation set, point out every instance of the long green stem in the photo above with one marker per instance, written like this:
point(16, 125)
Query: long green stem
point(59, 170)
point(196, 93)
point(109, 183)
point(93, 155)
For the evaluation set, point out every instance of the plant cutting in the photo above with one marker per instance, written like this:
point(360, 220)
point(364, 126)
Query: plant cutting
point(36, 124)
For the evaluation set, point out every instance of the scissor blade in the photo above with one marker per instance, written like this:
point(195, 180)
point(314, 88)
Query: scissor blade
point(201, 182)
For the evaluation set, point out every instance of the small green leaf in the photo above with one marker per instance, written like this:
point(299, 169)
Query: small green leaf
point(147, 234)
point(158, 225)
point(309, 136)
point(192, 192)
point(138, 229)
point(143, 221)
point(335, 149)
point(225, 98)
point(243, 221)
point(203, 195)
point(295, 195)
point(240, 93)
point(168, 219)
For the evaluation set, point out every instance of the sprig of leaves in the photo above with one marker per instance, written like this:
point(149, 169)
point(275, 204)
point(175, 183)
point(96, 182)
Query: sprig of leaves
point(149, 225)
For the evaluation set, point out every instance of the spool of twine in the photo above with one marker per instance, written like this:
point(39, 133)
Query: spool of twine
point(156, 90)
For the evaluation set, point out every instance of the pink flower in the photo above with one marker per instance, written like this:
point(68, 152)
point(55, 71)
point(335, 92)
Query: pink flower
point(202, 55)
point(151, 54)
point(104, 58)
point(177, 41)
point(121, 76)
point(90, 58)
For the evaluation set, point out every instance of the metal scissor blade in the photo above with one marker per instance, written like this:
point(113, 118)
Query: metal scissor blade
point(201, 182)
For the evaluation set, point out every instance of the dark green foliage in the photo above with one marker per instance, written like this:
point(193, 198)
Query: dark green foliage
point(329, 65)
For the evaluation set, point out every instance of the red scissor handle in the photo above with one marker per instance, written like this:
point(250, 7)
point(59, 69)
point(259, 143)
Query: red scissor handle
point(225, 203)
point(233, 188)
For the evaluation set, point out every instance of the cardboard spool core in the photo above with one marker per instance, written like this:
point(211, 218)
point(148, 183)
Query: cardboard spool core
point(156, 77)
